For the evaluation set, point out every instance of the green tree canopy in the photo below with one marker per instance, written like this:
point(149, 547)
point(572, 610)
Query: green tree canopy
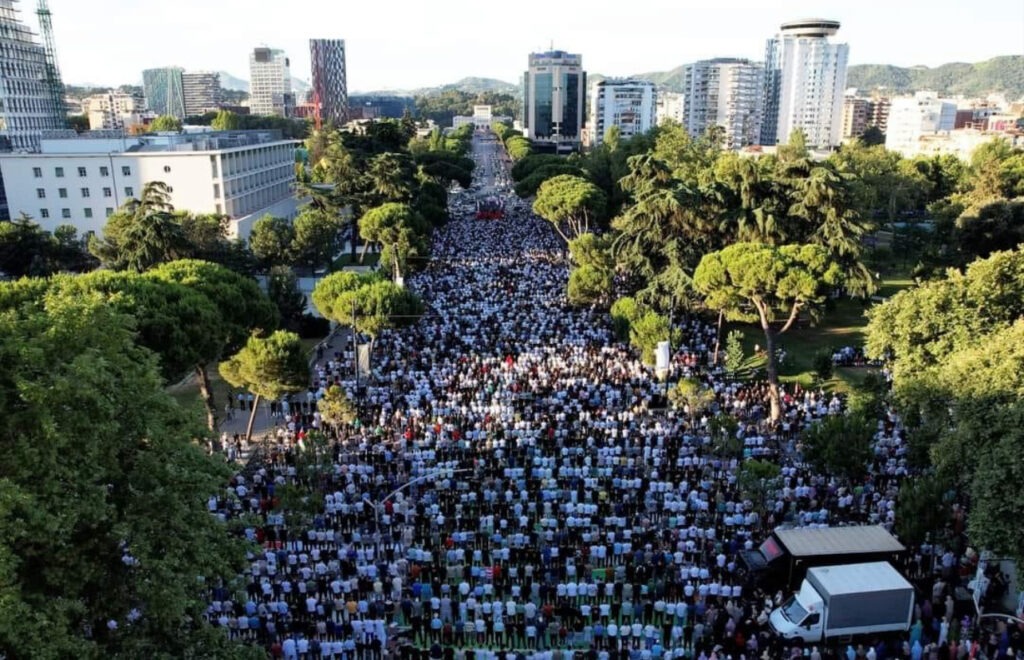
point(366, 302)
point(317, 238)
point(143, 233)
point(767, 284)
point(571, 201)
point(271, 241)
point(166, 123)
point(840, 445)
point(226, 121)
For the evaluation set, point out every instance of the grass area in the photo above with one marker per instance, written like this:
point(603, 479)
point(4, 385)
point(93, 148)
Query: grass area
point(371, 259)
point(187, 395)
point(843, 324)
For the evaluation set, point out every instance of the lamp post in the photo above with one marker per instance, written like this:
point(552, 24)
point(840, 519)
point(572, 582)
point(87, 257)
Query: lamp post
point(377, 505)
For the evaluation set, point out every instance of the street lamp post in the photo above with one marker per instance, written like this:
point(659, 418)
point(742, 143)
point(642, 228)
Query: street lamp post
point(377, 505)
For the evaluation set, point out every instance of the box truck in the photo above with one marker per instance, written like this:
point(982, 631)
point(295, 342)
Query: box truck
point(782, 560)
point(844, 601)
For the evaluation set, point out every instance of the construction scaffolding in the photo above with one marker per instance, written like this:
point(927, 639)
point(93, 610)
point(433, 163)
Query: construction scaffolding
point(54, 84)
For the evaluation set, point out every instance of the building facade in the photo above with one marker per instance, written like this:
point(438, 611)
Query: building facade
point(82, 179)
point(330, 79)
point(113, 110)
point(805, 81)
point(728, 93)
point(554, 99)
point(628, 105)
point(668, 106)
point(164, 90)
point(911, 119)
point(27, 106)
point(270, 83)
point(201, 91)
point(856, 114)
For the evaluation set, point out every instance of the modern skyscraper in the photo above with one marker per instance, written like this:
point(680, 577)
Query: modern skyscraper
point(554, 96)
point(201, 90)
point(164, 90)
point(270, 82)
point(805, 77)
point(728, 93)
point(27, 104)
point(628, 105)
point(330, 87)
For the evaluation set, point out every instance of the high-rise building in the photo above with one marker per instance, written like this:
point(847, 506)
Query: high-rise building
point(330, 86)
point(805, 78)
point(910, 119)
point(728, 93)
point(164, 91)
point(668, 106)
point(628, 105)
point(113, 110)
point(554, 96)
point(270, 82)
point(201, 90)
point(855, 117)
point(28, 105)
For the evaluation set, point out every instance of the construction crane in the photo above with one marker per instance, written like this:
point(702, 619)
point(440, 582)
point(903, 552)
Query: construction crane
point(54, 85)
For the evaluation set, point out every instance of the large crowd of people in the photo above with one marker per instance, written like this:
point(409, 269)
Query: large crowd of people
point(516, 488)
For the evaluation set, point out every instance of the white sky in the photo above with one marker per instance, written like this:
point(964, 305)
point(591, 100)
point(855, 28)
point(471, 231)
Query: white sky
point(394, 44)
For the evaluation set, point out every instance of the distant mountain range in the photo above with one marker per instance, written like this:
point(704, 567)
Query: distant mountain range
point(997, 75)
point(470, 85)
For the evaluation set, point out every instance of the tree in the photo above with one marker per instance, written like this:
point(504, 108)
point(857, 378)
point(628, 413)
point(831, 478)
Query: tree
point(366, 302)
point(166, 123)
point(270, 367)
point(271, 240)
point(572, 201)
point(646, 332)
point(755, 282)
point(226, 121)
point(756, 480)
point(241, 307)
point(317, 239)
point(391, 177)
point(399, 229)
point(688, 396)
point(734, 357)
point(143, 233)
point(589, 285)
point(840, 445)
point(625, 313)
point(283, 291)
point(99, 514)
point(336, 408)
point(24, 247)
point(518, 147)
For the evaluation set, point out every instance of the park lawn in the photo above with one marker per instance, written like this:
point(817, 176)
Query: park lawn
point(842, 325)
point(186, 393)
point(371, 259)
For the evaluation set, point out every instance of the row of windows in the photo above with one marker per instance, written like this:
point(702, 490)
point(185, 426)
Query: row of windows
point(63, 192)
point(37, 172)
point(66, 213)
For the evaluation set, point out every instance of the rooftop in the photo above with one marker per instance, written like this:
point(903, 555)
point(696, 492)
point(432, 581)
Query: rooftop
point(854, 578)
point(806, 542)
point(811, 27)
point(115, 141)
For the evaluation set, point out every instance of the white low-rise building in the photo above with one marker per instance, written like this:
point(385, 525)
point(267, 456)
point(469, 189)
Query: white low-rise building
point(82, 179)
point(481, 119)
point(911, 119)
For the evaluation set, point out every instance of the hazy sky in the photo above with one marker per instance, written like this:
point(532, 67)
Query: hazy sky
point(404, 44)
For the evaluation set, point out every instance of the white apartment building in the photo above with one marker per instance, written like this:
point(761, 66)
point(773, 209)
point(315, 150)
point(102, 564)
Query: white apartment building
point(113, 110)
point(911, 119)
point(82, 179)
point(628, 105)
point(728, 93)
point(805, 80)
point(270, 83)
point(668, 106)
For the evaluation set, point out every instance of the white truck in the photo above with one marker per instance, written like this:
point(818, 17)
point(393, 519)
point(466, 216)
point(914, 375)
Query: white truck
point(844, 601)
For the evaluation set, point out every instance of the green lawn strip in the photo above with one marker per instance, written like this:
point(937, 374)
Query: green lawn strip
point(371, 259)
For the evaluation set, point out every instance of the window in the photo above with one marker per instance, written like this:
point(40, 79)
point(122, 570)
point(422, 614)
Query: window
point(85, 192)
point(104, 171)
point(59, 171)
point(44, 213)
point(125, 170)
point(41, 193)
point(107, 192)
point(81, 171)
point(129, 191)
point(216, 191)
point(109, 211)
point(62, 193)
point(88, 213)
point(167, 168)
point(65, 213)
point(37, 172)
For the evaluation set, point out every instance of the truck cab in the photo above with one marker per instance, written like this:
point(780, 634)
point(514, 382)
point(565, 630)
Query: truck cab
point(799, 617)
